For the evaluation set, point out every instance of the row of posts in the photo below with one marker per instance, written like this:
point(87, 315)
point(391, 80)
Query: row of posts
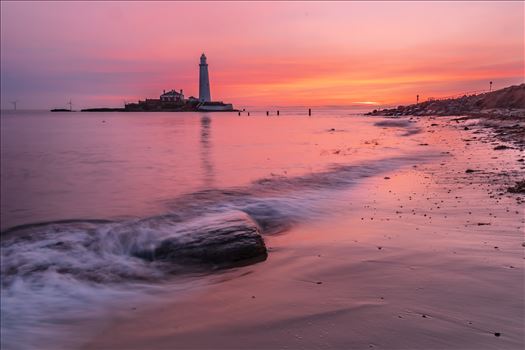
point(278, 113)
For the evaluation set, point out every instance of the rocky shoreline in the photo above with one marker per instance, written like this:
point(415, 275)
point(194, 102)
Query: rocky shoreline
point(402, 242)
point(496, 118)
point(504, 134)
point(502, 112)
point(507, 102)
point(509, 129)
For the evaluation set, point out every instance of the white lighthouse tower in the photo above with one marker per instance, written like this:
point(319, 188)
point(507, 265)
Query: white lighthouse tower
point(204, 81)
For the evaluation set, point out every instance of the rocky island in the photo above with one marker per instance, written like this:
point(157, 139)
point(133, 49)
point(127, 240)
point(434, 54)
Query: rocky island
point(171, 101)
point(174, 101)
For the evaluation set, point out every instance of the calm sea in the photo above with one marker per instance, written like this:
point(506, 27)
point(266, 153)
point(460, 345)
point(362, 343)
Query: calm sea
point(58, 166)
point(95, 178)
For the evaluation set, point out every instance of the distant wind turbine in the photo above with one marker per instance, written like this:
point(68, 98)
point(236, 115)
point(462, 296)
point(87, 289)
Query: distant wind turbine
point(70, 105)
point(14, 104)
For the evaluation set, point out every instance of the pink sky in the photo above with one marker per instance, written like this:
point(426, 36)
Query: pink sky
point(262, 53)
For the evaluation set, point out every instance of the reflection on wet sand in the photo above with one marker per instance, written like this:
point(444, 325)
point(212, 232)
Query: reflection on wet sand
point(382, 231)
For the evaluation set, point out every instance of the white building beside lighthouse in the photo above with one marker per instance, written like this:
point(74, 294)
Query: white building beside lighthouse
point(204, 81)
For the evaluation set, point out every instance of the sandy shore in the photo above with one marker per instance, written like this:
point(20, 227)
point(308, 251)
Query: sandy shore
point(429, 257)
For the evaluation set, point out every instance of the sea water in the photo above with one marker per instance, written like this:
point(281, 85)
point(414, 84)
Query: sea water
point(77, 188)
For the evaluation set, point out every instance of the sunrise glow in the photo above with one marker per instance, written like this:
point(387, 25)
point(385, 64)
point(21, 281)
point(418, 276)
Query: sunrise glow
point(279, 53)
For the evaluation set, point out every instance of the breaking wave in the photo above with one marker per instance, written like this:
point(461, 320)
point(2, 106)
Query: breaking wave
point(103, 251)
point(62, 267)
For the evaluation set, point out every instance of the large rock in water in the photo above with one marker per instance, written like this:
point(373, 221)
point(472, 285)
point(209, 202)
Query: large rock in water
point(220, 240)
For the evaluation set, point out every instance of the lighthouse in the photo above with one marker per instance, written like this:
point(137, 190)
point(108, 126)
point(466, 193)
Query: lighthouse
point(204, 81)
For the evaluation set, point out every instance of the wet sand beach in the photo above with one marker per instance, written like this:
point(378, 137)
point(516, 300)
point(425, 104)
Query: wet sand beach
point(426, 256)
point(267, 175)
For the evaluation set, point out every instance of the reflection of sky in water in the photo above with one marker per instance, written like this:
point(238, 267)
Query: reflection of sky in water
point(351, 188)
point(207, 165)
point(118, 164)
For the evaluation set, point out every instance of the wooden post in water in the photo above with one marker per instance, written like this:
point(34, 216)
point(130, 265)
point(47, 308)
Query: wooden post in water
point(239, 113)
point(277, 112)
point(248, 114)
point(267, 113)
point(309, 112)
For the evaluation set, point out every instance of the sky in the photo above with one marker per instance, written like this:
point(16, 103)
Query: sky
point(103, 54)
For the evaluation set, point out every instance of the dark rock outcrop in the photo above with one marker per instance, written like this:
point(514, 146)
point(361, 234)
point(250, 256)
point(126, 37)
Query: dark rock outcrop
point(61, 110)
point(518, 188)
point(102, 109)
point(148, 249)
point(228, 241)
